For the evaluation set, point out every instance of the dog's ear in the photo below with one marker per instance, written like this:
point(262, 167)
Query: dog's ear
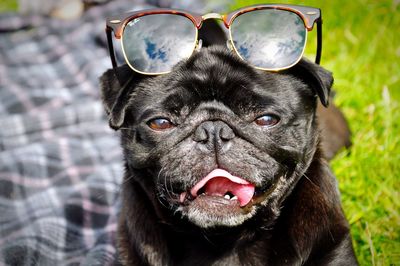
point(116, 87)
point(320, 79)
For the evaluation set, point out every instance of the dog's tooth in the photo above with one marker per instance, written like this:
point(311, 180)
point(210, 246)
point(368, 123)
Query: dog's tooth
point(227, 196)
point(234, 198)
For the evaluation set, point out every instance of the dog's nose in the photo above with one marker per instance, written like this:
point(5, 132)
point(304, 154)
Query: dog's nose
point(214, 135)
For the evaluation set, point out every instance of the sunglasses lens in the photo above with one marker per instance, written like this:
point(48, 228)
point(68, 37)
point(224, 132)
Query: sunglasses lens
point(155, 43)
point(270, 39)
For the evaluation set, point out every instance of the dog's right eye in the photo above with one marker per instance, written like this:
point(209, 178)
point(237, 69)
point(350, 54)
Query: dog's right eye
point(160, 124)
point(267, 120)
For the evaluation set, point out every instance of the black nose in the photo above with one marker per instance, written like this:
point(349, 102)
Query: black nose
point(213, 135)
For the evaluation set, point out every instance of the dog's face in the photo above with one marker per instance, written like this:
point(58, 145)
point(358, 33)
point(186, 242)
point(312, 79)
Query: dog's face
point(217, 141)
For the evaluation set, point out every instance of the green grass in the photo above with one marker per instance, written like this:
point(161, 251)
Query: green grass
point(8, 5)
point(361, 46)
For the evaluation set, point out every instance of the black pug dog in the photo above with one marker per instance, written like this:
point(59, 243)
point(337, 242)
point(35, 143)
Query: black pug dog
point(224, 166)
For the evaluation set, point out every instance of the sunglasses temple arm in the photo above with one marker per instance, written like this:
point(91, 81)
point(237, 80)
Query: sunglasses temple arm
point(112, 54)
point(319, 41)
point(111, 47)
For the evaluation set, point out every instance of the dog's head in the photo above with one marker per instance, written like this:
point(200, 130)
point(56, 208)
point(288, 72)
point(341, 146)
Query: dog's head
point(217, 141)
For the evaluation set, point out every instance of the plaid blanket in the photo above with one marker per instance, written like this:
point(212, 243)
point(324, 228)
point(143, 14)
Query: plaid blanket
point(60, 164)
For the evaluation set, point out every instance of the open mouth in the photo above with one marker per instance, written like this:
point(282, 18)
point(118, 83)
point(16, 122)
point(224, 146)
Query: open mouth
point(223, 187)
point(223, 199)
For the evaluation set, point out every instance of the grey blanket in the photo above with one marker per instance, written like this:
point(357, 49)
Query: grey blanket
point(60, 164)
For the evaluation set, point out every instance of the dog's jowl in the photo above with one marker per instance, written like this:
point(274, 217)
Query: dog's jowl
point(223, 165)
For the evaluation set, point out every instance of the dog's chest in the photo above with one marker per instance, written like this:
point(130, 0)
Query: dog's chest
point(230, 259)
point(208, 252)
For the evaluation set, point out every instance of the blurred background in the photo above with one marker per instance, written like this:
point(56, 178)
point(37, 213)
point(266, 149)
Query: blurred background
point(361, 46)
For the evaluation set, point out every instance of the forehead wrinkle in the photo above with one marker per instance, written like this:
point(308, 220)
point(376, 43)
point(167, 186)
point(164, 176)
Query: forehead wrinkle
point(215, 106)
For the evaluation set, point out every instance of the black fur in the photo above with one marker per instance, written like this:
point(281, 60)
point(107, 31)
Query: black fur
point(297, 218)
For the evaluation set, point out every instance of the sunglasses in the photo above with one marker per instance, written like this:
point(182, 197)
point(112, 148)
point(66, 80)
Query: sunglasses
point(269, 37)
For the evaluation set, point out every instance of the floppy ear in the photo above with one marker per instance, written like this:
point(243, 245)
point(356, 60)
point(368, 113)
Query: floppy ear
point(320, 79)
point(115, 93)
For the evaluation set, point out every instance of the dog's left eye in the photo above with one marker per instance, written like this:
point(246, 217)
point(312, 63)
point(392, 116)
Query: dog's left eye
point(267, 120)
point(160, 124)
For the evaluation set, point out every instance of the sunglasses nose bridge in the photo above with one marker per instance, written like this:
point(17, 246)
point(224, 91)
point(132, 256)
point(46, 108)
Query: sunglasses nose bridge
point(212, 16)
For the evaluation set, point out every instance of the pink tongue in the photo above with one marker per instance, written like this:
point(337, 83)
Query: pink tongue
point(219, 182)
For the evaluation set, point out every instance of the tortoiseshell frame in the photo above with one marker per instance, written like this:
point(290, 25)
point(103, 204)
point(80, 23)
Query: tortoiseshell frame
point(309, 15)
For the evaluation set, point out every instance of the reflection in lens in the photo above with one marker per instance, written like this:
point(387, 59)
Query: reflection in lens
point(269, 38)
point(155, 43)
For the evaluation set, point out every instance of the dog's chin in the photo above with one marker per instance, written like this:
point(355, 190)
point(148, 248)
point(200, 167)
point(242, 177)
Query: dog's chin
point(212, 211)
